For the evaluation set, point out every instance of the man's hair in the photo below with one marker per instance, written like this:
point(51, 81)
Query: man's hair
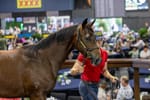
point(145, 46)
point(125, 79)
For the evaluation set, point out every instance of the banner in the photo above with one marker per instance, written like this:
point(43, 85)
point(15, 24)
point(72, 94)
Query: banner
point(21, 4)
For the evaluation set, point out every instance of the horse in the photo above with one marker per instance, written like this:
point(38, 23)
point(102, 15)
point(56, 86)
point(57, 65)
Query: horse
point(31, 71)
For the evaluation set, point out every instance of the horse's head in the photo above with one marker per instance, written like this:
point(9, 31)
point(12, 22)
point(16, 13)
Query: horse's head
point(86, 43)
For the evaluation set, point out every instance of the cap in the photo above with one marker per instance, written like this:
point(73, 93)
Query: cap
point(99, 35)
point(99, 38)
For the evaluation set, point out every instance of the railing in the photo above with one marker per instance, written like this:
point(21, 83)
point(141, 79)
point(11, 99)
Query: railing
point(119, 63)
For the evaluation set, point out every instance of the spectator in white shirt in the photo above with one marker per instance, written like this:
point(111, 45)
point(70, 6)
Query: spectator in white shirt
point(139, 43)
point(134, 53)
point(125, 29)
point(145, 53)
point(102, 94)
point(125, 91)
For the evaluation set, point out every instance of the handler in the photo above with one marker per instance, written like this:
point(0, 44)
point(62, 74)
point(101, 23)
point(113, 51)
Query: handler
point(90, 77)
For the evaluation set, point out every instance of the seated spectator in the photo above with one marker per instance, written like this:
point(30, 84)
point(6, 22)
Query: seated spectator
point(70, 56)
point(139, 43)
point(102, 91)
point(134, 53)
point(119, 51)
point(145, 53)
point(25, 30)
point(33, 30)
point(106, 46)
point(125, 91)
point(10, 98)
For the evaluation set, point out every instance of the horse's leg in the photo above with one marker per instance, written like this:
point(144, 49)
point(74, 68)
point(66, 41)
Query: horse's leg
point(38, 96)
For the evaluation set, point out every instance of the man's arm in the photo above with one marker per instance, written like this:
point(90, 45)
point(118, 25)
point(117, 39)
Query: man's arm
point(77, 68)
point(108, 75)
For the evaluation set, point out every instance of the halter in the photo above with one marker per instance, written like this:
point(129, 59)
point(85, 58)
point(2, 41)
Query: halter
point(87, 49)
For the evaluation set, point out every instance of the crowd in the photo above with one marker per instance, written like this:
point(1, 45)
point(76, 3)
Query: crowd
point(126, 43)
point(124, 92)
point(116, 43)
point(16, 42)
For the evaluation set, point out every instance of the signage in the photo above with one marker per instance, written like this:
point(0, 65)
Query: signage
point(22, 4)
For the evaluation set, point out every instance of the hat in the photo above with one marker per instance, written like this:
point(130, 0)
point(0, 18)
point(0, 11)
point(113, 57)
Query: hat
point(99, 35)
point(99, 38)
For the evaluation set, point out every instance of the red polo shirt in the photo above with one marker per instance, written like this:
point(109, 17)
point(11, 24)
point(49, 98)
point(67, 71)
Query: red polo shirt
point(92, 73)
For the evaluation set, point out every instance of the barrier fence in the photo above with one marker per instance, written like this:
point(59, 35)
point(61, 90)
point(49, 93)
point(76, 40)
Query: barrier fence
point(120, 63)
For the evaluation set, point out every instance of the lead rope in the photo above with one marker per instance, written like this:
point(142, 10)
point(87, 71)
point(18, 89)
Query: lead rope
point(113, 86)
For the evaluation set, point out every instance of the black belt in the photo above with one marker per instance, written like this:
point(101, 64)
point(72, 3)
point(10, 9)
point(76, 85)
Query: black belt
point(90, 82)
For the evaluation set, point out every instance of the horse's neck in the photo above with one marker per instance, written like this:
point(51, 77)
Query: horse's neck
point(60, 53)
point(60, 50)
point(57, 47)
point(56, 55)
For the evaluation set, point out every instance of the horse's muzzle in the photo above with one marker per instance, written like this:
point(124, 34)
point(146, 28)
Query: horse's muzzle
point(95, 61)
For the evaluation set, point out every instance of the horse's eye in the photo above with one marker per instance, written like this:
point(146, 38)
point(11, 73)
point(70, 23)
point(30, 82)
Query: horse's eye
point(88, 38)
point(87, 35)
point(91, 30)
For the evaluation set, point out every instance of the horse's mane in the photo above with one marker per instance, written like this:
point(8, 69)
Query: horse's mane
point(60, 36)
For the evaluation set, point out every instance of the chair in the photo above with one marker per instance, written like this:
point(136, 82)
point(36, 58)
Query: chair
point(59, 96)
point(74, 98)
point(146, 97)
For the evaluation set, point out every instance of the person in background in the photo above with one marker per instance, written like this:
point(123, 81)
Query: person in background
point(90, 77)
point(145, 53)
point(125, 29)
point(70, 56)
point(25, 30)
point(125, 91)
point(102, 91)
point(134, 53)
point(11, 44)
point(139, 43)
point(11, 30)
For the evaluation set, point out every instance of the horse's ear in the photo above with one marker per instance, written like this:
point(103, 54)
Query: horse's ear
point(84, 22)
point(91, 24)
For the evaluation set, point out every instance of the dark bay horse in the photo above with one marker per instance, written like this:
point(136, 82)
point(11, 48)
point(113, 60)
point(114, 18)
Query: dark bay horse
point(31, 71)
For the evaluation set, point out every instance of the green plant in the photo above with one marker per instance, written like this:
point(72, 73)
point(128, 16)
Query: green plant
point(115, 34)
point(37, 36)
point(3, 44)
point(142, 32)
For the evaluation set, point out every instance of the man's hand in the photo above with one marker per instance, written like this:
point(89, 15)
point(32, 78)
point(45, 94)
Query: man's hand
point(77, 68)
point(114, 79)
point(116, 91)
point(74, 72)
